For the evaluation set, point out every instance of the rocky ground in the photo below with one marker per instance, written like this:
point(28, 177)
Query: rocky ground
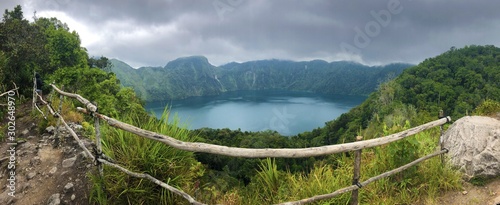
point(47, 171)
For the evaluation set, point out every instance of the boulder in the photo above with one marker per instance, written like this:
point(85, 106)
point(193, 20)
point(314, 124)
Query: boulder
point(474, 146)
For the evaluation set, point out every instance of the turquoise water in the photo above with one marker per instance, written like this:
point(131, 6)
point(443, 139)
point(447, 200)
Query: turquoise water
point(288, 112)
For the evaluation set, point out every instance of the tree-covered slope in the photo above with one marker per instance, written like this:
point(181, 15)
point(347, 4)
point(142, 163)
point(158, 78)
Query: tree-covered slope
point(457, 82)
point(128, 77)
point(317, 76)
point(195, 76)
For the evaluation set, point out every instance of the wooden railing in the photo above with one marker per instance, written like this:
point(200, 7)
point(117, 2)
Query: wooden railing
point(248, 152)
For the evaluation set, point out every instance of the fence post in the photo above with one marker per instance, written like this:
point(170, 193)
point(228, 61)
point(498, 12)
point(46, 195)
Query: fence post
point(59, 110)
point(98, 143)
point(34, 91)
point(355, 178)
point(441, 130)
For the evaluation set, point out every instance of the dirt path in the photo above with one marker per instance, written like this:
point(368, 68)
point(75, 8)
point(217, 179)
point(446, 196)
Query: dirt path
point(45, 173)
point(489, 194)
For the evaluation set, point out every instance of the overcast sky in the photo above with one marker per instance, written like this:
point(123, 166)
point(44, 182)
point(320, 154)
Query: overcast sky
point(153, 32)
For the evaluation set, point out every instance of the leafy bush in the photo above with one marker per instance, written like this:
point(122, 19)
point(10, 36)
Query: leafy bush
point(101, 88)
point(488, 107)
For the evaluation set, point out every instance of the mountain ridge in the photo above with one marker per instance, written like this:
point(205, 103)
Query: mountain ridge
point(195, 76)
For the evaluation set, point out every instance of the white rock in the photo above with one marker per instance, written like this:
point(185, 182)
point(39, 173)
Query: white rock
point(474, 145)
point(69, 162)
point(69, 187)
point(77, 127)
point(53, 170)
point(55, 199)
point(50, 129)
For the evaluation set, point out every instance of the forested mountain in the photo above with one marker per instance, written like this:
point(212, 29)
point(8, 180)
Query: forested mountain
point(195, 76)
point(458, 82)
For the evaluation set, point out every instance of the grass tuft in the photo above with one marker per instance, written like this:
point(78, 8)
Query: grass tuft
point(175, 167)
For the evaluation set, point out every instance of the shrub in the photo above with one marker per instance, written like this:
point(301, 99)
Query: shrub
point(488, 107)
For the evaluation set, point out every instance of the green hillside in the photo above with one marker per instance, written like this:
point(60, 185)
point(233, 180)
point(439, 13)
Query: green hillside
point(457, 82)
point(195, 76)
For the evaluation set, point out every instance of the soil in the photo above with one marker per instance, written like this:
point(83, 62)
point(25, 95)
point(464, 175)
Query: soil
point(40, 177)
point(489, 194)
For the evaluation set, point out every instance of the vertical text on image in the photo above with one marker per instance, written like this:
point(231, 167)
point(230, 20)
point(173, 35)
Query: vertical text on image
point(11, 142)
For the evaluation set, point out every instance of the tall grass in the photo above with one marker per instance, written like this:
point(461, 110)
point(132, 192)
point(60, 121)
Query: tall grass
point(175, 167)
point(323, 179)
point(420, 184)
point(269, 177)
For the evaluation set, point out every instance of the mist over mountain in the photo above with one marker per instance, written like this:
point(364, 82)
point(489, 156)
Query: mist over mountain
point(195, 76)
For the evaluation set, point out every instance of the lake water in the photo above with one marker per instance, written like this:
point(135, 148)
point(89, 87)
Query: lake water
point(287, 112)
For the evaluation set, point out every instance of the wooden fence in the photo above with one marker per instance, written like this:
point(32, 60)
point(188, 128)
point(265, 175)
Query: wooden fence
point(247, 152)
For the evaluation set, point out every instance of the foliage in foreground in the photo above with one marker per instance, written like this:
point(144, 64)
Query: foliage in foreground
point(488, 107)
point(419, 184)
point(175, 167)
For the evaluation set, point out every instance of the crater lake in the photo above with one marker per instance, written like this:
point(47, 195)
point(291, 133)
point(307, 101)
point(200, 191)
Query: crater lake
point(287, 112)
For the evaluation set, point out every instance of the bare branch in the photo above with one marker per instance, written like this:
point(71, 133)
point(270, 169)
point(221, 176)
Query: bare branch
point(86, 102)
point(51, 110)
point(75, 136)
point(12, 90)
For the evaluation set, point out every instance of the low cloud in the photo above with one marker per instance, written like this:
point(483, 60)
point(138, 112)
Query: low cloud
point(154, 32)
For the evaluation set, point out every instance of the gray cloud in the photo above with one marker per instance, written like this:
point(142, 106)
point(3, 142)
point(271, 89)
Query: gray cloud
point(153, 32)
